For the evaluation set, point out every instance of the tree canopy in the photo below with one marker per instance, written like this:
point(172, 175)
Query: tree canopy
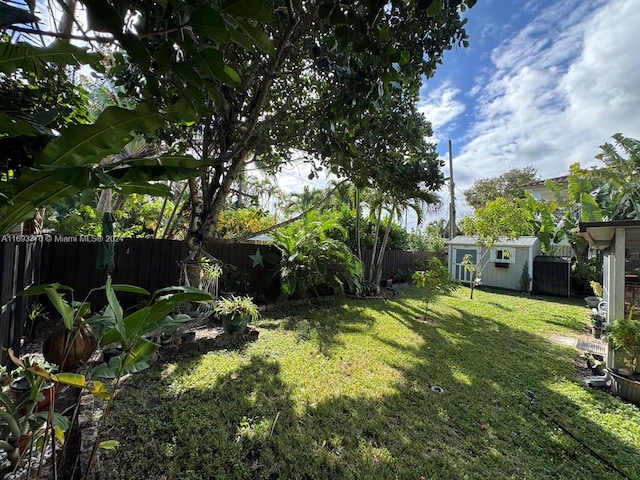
point(508, 185)
point(331, 81)
point(499, 218)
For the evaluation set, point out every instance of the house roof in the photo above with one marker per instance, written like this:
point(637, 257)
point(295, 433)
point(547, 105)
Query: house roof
point(540, 183)
point(600, 234)
point(500, 242)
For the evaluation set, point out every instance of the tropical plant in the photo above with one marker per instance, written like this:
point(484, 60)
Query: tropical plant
point(237, 306)
point(617, 184)
point(625, 333)
point(436, 280)
point(111, 327)
point(546, 221)
point(393, 204)
point(310, 259)
point(23, 427)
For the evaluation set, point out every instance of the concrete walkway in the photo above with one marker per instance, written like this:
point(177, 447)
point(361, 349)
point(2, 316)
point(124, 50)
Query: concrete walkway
point(593, 346)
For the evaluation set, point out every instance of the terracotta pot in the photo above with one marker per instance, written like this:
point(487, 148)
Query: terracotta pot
point(69, 348)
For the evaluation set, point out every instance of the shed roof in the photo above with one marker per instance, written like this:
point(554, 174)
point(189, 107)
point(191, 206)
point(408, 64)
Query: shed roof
point(500, 242)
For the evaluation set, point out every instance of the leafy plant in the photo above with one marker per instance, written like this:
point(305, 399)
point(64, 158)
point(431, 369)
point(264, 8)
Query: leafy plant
point(525, 278)
point(22, 427)
point(211, 271)
point(237, 306)
point(437, 280)
point(113, 327)
point(311, 259)
point(476, 272)
point(596, 287)
point(625, 333)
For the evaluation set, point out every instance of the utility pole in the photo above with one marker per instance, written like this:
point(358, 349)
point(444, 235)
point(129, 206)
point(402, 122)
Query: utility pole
point(452, 204)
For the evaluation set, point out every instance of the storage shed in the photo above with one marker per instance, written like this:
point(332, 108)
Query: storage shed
point(501, 265)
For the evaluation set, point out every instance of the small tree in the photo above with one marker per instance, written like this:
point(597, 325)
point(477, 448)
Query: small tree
point(437, 280)
point(474, 268)
point(525, 278)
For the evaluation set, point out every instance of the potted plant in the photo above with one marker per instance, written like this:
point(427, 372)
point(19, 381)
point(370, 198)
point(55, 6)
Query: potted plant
point(594, 300)
point(236, 312)
point(597, 321)
point(625, 334)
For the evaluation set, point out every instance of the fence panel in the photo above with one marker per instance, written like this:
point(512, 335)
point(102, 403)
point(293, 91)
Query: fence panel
point(241, 275)
point(396, 261)
point(147, 263)
point(19, 269)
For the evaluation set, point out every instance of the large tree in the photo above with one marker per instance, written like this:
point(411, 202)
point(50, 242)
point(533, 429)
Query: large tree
point(509, 185)
point(333, 80)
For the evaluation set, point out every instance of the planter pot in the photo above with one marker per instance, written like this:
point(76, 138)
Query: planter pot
point(69, 348)
point(189, 337)
point(625, 388)
point(110, 353)
point(234, 324)
point(20, 387)
point(592, 302)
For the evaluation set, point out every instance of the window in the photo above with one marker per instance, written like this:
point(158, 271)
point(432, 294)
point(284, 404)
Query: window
point(503, 255)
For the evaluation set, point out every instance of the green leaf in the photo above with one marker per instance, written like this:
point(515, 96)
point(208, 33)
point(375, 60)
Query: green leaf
point(229, 76)
point(109, 444)
point(33, 59)
point(63, 308)
point(136, 50)
point(123, 287)
point(11, 16)
point(86, 144)
point(139, 353)
point(590, 211)
point(153, 189)
point(102, 17)
point(435, 8)
point(149, 318)
point(12, 127)
point(242, 8)
point(209, 23)
point(259, 37)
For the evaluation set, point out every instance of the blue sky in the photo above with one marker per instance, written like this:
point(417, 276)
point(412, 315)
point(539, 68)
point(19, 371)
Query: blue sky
point(543, 83)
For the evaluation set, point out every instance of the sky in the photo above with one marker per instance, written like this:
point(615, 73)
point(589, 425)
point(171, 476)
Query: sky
point(543, 83)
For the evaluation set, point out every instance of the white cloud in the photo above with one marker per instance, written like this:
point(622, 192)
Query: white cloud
point(556, 91)
point(441, 107)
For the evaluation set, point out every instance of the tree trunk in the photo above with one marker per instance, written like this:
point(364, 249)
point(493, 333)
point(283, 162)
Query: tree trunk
point(383, 247)
point(358, 212)
point(375, 244)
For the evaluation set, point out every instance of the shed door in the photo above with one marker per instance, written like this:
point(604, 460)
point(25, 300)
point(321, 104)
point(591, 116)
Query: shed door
point(459, 273)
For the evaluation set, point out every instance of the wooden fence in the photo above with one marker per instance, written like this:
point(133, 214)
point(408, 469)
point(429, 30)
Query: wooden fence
point(147, 263)
point(151, 264)
point(19, 269)
point(399, 261)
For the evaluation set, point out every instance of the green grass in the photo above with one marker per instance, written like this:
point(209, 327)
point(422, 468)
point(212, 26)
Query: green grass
point(344, 392)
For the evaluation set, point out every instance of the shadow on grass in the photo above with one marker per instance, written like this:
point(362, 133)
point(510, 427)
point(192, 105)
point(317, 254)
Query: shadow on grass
point(251, 424)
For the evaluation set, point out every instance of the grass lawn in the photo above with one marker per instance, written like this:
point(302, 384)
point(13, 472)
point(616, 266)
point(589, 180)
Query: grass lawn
point(344, 392)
